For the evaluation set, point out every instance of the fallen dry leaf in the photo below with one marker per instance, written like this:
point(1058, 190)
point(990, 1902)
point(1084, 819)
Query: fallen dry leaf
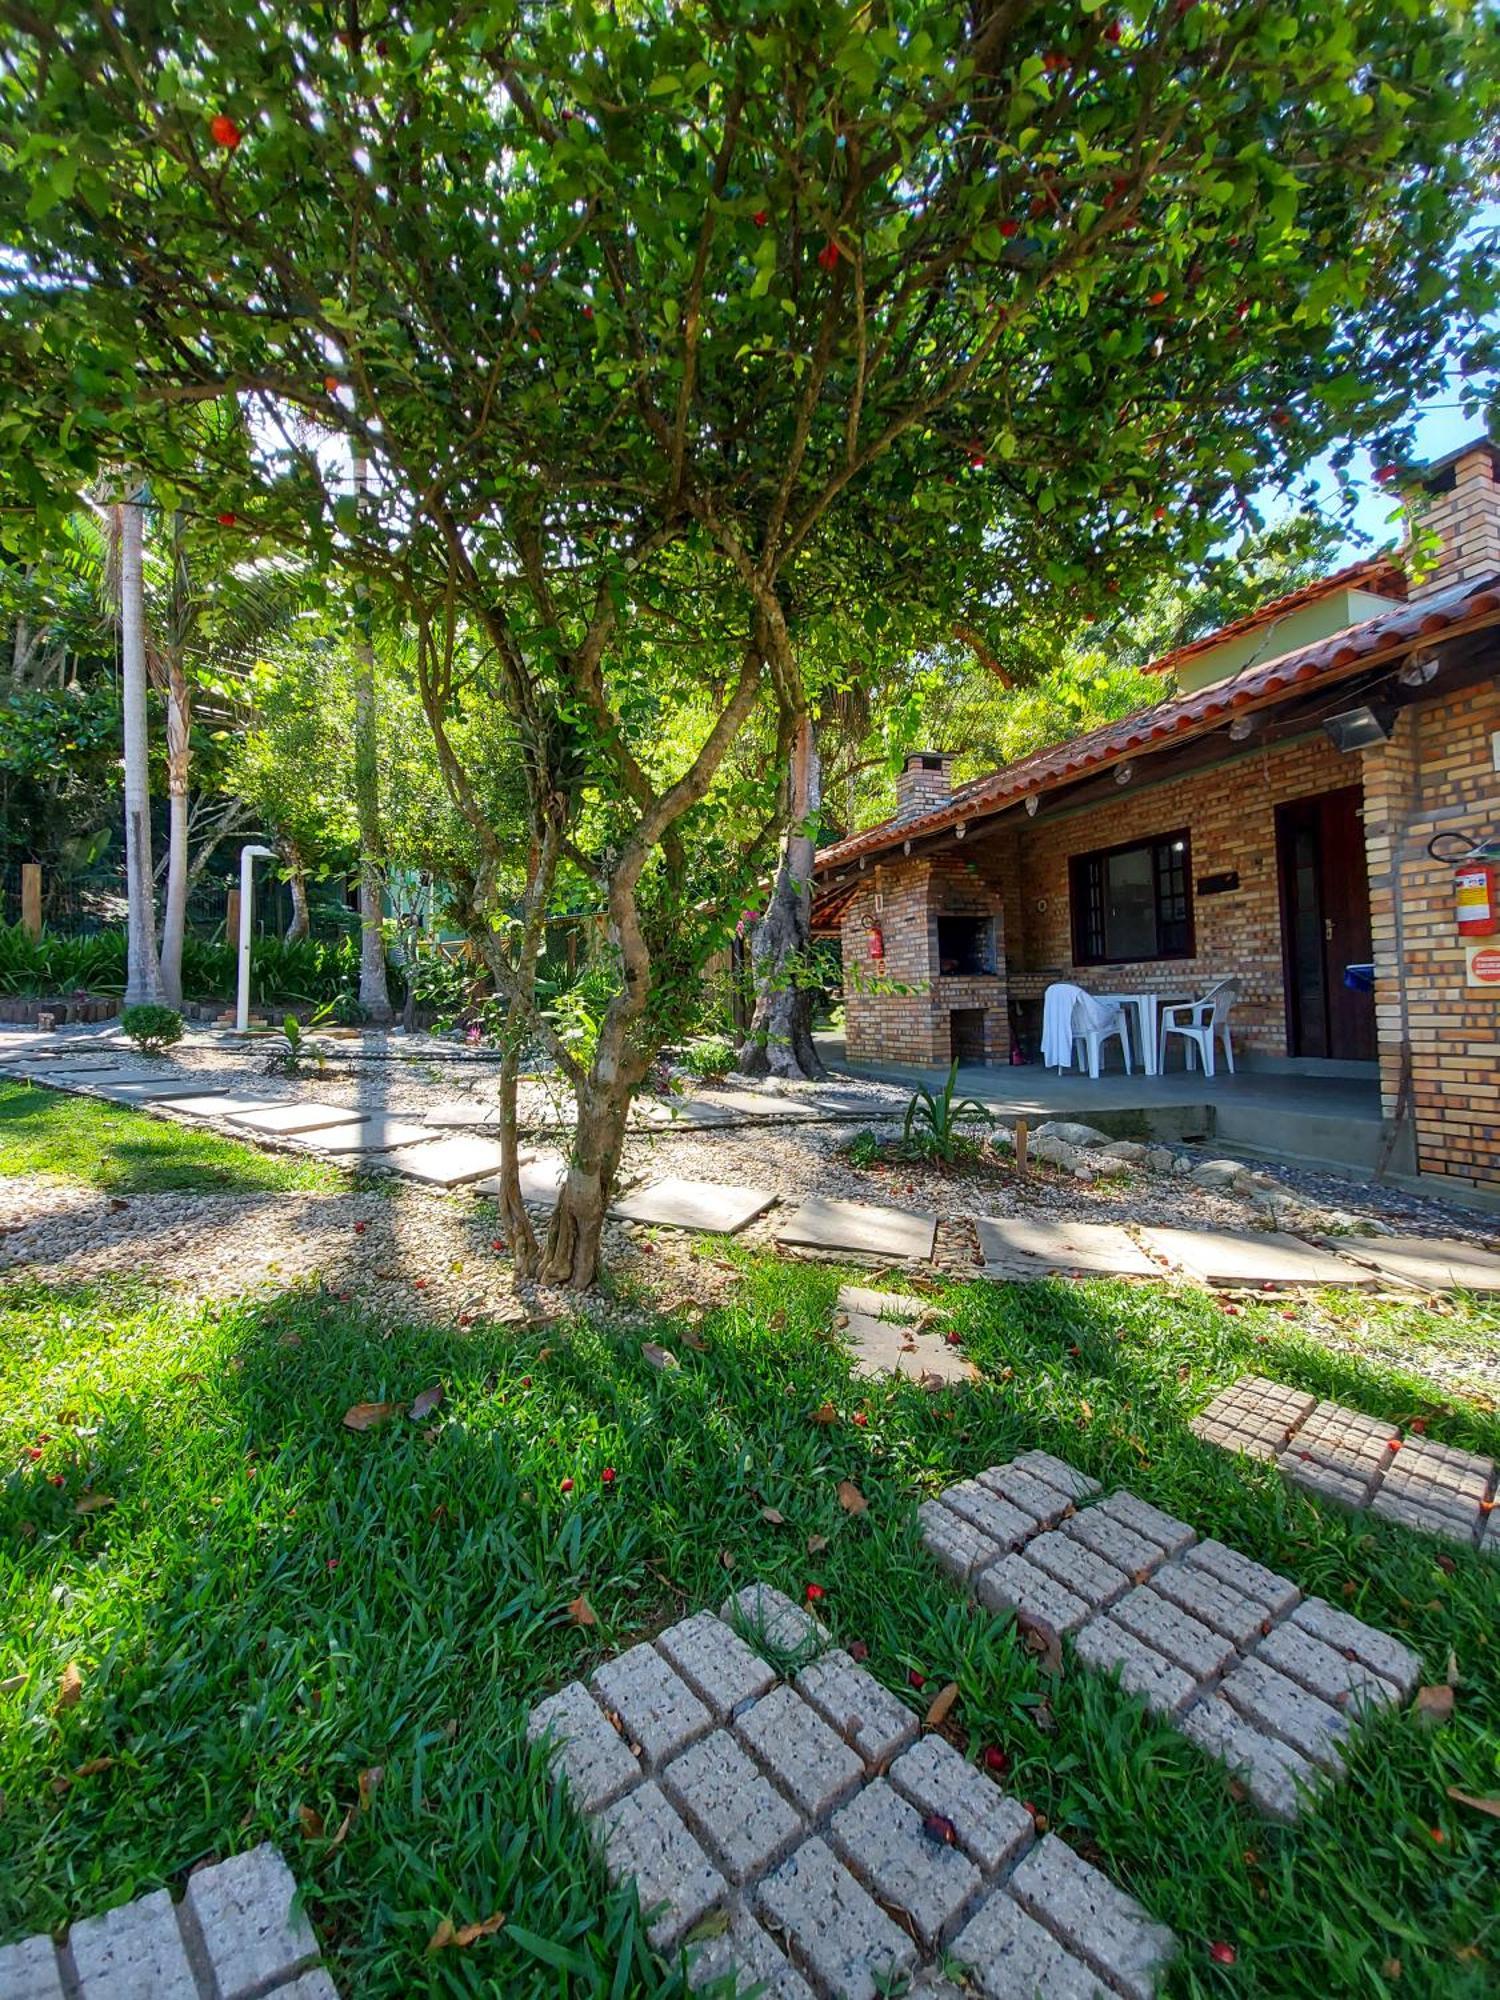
point(369, 1784)
point(726, 1560)
point(365, 1416)
point(774, 1515)
point(581, 1612)
point(1434, 1704)
point(1042, 1640)
point(442, 1936)
point(658, 1357)
point(93, 1503)
point(290, 1340)
point(11, 1683)
point(466, 1934)
point(850, 1498)
point(825, 1413)
point(94, 1766)
point(426, 1403)
point(816, 1544)
point(1489, 1803)
point(937, 1714)
point(311, 1822)
point(691, 1337)
point(69, 1688)
point(344, 1825)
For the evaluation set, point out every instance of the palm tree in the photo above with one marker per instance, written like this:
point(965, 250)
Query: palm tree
point(143, 971)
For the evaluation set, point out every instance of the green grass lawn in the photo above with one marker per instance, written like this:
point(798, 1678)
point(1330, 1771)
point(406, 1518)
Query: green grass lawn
point(126, 1151)
point(274, 1604)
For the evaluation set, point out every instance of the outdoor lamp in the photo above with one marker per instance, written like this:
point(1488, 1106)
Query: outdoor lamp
point(1360, 728)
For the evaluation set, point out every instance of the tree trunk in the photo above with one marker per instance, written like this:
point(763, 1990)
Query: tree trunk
point(780, 1042)
point(572, 1254)
point(374, 994)
point(296, 881)
point(174, 919)
point(143, 972)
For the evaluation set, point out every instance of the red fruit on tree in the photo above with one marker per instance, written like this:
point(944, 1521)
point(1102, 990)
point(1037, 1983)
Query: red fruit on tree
point(760, 218)
point(226, 519)
point(828, 256)
point(588, 312)
point(1386, 475)
point(1160, 514)
point(1112, 32)
point(976, 459)
point(223, 131)
point(1156, 299)
point(1009, 229)
point(331, 384)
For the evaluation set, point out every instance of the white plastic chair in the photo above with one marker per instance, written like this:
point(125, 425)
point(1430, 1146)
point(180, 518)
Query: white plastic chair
point(1093, 1025)
point(1201, 1022)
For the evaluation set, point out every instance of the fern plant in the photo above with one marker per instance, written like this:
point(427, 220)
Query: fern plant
point(930, 1127)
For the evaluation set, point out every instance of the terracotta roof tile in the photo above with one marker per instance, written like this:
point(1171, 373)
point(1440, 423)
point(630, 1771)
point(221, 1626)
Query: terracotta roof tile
point(1380, 574)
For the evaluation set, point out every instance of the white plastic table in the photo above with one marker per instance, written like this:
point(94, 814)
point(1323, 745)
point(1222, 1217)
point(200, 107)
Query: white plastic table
point(1147, 1009)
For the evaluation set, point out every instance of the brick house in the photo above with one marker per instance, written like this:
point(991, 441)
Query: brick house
point(1271, 820)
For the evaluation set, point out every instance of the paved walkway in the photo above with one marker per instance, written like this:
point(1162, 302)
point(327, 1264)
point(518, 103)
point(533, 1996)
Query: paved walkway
point(1247, 1668)
point(760, 1787)
point(1357, 1461)
point(235, 1935)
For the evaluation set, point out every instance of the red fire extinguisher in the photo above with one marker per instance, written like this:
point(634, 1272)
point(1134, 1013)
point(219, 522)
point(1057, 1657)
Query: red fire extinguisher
point(1474, 899)
point(877, 941)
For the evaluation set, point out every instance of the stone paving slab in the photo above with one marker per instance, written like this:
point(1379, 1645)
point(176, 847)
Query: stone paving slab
point(1225, 1649)
point(218, 1104)
point(147, 1089)
point(1263, 1259)
point(284, 1120)
point(462, 1114)
point(859, 1227)
point(541, 1180)
point(1343, 1456)
point(236, 1935)
point(814, 1839)
point(450, 1162)
point(902, 1307)
point(888, 1347)
point(768, 1104)
point(1030, 1247)
point(1432, 1263)
point(710, 1207)
point(372, 1135)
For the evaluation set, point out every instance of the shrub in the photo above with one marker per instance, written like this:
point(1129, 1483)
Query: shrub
point(865, 1149)
point(939, 1115)
point(348, 1010)
point(710, 1058)
point(152, 1028)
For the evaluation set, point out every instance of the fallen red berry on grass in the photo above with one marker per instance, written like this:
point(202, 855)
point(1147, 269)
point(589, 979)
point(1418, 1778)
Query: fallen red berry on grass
point(360, 1228)
point(419, 1284)
point(497, 1242)
point(30, 1452)
point(223, 131)
point(995, 1759)
point(525, 1381)
point(1221, 1953)
point(608, 1475)
point(566, 1486)
point(914, 1679)
point(1436, 1831)
point(859, 1650)
point(814, 1592)
point(332, 1563)
point(860, 1418)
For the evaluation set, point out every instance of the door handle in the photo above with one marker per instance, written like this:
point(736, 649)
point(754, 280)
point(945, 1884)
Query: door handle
point(1328, 930)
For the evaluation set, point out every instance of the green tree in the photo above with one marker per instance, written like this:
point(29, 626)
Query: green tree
point(634, 315)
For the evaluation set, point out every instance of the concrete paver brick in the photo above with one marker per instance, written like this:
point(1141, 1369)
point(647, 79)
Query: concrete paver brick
point(1274, 1775)
point(716, 1663)
point(1092, 1917)
point(1013, 1584)
point(1110, 1648)
point(1088, 1576)
point(1323, 1670)
point(1345, 1440)
point(769, 1620)
point(29, 1970)
point(740, 1817)
point(902, 1306)
point(1170, 1535)
point(1206, 1596)
point(1356, 1640)
point(1057, 1472)
point(992, 1828)
point(1435, 1475)
point(133, 1953)
point(809, 1761)
point(1333, 1483)
point(253, 1933)
point(588, 1750)
point(1252, 1579)
point(746, 1950)
point(1005, 1525)
point(1010, 1956)
point(1174, 1633)
point(867, 1716)
point(656, 1706)
point(1115, 1542)
point(645, 1840)
point(1278, 1705)
point(883, 1840)
point(1489, 1540)
point(1254, 1416)
point(314, 1985)
point(954, 1544)
point(1426, 1520)
point(842, 1936)
point(1024, 1490)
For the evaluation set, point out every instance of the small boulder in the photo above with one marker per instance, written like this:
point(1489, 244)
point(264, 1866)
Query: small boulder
point(1071, 1134)
point(1056, 1152)
point(1161, 1159)
point(1219, 1173)
point(1126, 1149)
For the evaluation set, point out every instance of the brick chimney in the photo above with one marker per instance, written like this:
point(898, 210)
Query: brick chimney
point(926, 781)
point(1461, 501)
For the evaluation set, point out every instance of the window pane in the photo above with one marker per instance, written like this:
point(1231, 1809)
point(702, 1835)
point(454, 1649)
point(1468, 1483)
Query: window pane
point(1130, 904)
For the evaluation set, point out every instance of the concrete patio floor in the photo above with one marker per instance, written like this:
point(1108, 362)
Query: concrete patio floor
point(1323, 1120)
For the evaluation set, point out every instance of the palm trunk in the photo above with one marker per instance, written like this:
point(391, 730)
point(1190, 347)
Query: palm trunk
point(143, 972)
point(780, 1041)
point(174, 919)
point(374, 994)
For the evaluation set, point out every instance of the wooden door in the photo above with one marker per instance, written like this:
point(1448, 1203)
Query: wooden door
point(1325, 924)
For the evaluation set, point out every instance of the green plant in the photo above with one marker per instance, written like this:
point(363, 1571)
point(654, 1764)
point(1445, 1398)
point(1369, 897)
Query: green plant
point(152, 1028)
point(930, 1127)
point(709, 1058)
point(348, 1010)
point(865, 1149)
point(295, 1051)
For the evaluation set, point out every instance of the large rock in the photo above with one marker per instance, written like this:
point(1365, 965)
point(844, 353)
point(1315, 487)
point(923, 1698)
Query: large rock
point(1071, 1134)
point(1161, 1159)
point(1225, 1174)
point(1130, 1150)
point(1056, 1152)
